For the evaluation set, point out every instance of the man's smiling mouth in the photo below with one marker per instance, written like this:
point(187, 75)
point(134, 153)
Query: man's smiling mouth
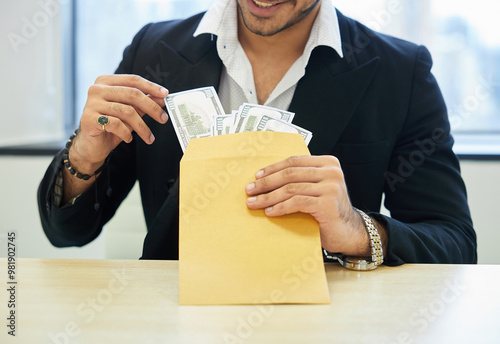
point(263, 4)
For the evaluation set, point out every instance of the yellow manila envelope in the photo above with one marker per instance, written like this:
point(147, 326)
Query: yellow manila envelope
point(229, 254)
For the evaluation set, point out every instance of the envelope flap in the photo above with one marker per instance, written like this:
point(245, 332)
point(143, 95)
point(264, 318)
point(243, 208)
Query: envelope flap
point(248, 144)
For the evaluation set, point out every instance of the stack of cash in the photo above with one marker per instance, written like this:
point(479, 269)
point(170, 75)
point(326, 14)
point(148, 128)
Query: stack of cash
point(199, 113)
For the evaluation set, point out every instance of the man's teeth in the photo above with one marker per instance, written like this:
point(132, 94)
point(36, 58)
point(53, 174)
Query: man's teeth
point(262, 4)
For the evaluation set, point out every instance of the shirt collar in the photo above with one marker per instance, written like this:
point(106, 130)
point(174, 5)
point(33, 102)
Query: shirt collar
point(221, 20)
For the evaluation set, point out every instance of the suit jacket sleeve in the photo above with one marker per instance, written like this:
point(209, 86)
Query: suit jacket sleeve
point(430, 220)
point(79, 223)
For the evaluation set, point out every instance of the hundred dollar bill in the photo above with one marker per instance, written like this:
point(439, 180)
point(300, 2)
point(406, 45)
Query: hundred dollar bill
point(236, 118)
point(251, 114)
point(222, 125)
point(192, 113)
point(268, 123)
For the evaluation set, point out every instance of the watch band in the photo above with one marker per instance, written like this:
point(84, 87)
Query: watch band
point(361, 263)
point(375, 242)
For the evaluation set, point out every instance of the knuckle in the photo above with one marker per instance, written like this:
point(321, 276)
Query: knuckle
point(114, 91)
point(158, 110)
point(263, 183)
point(337, 174)
point(291, 160)
point(100, 79)
point(93, 90)
point(136, 79)
point(290, 188)
point(336, 188)
point(310, 173)
point(264, 198)
point(309, 202)
point(134, 93)
point(293, 188)
point(333, 160)
point(289, 172)
point(142, 127)
point(117, 108)
point(128, 110)
point(125, 132)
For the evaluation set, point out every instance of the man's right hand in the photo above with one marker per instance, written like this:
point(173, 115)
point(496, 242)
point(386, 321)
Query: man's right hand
point(124, 99)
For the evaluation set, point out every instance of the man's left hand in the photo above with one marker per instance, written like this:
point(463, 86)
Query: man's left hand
point(314, 185)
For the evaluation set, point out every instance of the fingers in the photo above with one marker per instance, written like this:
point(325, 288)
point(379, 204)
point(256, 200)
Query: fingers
point(129, 96)
point(296, 204)
point(286, 193)
point(128, 118)
point(292, 175)
point(298, 161)
point(125, 99)
point(159, 101)
point(297, 184)
point(118, 128)
point(133, 81)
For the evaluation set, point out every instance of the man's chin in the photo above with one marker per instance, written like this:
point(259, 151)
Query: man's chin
point(264, 32)
point(263, 26)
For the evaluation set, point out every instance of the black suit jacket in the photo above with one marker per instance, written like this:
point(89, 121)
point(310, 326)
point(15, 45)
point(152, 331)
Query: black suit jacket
point(378, 109)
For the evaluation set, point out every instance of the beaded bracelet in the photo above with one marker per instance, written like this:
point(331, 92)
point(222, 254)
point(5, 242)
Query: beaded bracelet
point(67, 163)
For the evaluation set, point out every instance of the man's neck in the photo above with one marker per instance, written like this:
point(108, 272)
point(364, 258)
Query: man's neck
point(291, 41)
point(272, 56)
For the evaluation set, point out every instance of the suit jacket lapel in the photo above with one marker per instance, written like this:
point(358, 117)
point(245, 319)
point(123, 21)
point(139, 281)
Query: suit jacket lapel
point(196, 62)
point(325, 101)
point(329, 94)
point(325, 98)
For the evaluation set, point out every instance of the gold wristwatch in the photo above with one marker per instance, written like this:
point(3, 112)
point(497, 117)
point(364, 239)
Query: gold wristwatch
point(362, 263)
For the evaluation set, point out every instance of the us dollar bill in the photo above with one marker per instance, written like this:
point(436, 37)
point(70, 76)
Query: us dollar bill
point(192, 113)
point(268, 123)
point(222, 125)
point(250, 116)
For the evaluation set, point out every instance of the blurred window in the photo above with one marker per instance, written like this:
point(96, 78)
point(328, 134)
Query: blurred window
point(462, 36)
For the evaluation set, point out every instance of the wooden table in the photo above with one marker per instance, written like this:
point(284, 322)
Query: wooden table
point(123, 301)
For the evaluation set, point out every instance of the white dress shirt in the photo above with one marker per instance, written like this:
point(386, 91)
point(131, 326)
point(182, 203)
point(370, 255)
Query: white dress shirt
point(237, 85)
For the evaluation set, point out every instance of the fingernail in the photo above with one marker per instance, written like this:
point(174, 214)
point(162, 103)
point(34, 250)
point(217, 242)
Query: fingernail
point(151, 138)
point(251, 199)
point(259, 174)
point(164, 91)
point(164, 117)
point(269, 209)
point(250, 187)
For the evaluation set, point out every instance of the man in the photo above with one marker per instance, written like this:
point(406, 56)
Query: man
point(378, 118)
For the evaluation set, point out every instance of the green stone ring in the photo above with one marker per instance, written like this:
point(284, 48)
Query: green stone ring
point(103, 120)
